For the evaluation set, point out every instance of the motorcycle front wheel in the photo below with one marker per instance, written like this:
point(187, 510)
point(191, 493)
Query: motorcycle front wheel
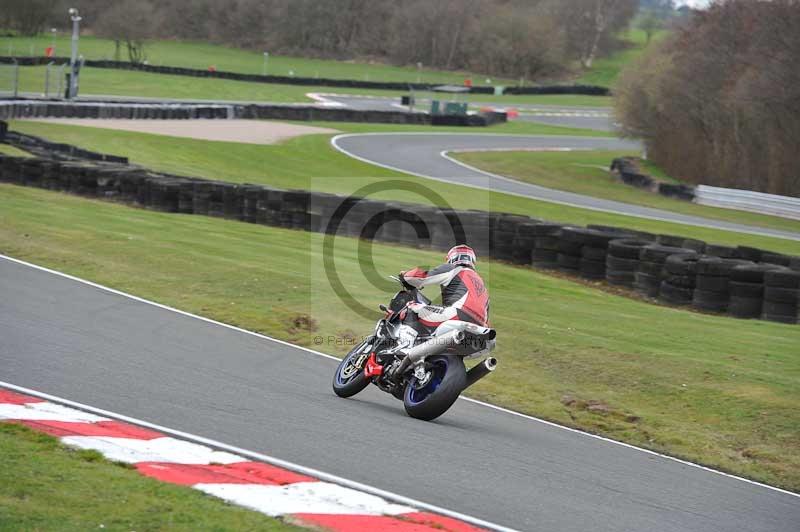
point(430, 399)
point(349, 378)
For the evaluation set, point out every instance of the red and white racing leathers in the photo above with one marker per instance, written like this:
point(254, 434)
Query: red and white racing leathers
point(464, 296)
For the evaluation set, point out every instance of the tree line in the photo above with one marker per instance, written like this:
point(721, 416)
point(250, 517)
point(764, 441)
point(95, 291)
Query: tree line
point(521, 39)
point(718, 101)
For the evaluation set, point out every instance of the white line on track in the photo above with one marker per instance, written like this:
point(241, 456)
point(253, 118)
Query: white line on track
point(312, 472)
point(443, 154)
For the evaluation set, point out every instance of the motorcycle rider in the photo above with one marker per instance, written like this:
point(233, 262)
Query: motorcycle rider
point(464, 294)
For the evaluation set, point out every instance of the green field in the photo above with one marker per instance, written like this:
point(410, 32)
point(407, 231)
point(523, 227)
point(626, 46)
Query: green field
point(606, 70)
point(310, 163)
point(712, 389)
point(586, 172)
point(5, 149)
point(112, 82)
point(47, 486)
point(202, 55)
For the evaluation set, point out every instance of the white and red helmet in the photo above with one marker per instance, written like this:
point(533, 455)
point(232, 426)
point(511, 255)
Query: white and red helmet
point(461, 255)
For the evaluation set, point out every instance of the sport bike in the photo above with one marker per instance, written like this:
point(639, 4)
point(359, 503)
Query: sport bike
point(422, 367)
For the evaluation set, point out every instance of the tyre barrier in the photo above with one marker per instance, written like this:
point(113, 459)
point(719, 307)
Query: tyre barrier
point(622, 260)
point(675, 275)
point(781, 295)
point(679, 278)
point(586, 249)
point(650, 273)
point(45, 148)
point(626, 169)
point(747, 289)
point(11, 109)
point(712, 283)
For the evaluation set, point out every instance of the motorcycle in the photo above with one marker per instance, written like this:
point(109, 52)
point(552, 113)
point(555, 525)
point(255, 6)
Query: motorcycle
point(421, 366)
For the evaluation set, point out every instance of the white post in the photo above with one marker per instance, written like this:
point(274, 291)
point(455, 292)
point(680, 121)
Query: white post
point(73, 63)
point(266, 58)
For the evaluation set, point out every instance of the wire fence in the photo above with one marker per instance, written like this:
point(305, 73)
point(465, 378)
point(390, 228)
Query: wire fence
point(9, 80)
point(54, 80)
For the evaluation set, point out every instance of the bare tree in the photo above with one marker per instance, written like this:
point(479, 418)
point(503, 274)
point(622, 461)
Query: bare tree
point(130, 22)
point(649, 23)
point(719, 101)
point(526, 39)
point(28, 17)
point(591, 24)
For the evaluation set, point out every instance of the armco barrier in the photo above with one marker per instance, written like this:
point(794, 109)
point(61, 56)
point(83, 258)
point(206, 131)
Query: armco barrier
point(747, 200)
point(11, 109)
point(729, 198)
point(622, 257)
point(591, 90)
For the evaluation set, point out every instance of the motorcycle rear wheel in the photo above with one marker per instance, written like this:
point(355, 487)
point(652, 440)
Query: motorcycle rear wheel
point(349, 379)
point(434, 398)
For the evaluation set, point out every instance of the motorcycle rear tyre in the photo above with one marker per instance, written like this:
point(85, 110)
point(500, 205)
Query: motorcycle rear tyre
point(437, 401)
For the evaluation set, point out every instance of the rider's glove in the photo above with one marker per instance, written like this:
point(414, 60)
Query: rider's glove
point(403, 280)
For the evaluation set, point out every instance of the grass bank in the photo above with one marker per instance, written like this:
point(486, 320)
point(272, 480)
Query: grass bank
point(47, 486)
point(310, 163)
point(606, 70)
point(201, 55)
point(712, 389)
point(586, 172)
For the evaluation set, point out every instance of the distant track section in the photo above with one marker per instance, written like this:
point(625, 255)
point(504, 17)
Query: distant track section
point(425, 155)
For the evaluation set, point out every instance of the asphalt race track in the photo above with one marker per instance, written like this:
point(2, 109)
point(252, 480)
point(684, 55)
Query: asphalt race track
point(421, 154)
point(598, 118)
point(83, 343)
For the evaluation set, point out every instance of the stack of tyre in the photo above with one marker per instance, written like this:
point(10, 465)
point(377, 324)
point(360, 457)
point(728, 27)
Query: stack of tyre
point(622, 260)
point(546, 240)
point(712, 285)
point(650, 272)
point(594, 250)
point(504, 229)
point(524, 243)
point(722, 252)
point(568, 257)
point(747, 289)
point(781, 295)
point(679, 277)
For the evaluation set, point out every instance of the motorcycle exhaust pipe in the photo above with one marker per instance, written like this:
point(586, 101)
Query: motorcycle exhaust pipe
point(480, 371)
point(434, 346)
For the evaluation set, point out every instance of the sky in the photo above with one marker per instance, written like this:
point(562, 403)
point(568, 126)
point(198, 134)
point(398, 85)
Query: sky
point(693, 3)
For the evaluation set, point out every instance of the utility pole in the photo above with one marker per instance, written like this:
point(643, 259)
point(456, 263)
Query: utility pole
point(72, 90)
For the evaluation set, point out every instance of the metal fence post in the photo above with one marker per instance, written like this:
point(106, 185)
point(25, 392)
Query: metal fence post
point(16, 79)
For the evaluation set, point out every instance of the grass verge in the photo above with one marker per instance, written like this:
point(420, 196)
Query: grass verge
point(309, 162)
point(586, 172)
point(110, 82)
point(47, 486)
point(708, 388)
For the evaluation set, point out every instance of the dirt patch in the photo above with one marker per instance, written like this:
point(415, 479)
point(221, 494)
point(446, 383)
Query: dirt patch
point(596, 407)
point(243, 131)
point(301, 323)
